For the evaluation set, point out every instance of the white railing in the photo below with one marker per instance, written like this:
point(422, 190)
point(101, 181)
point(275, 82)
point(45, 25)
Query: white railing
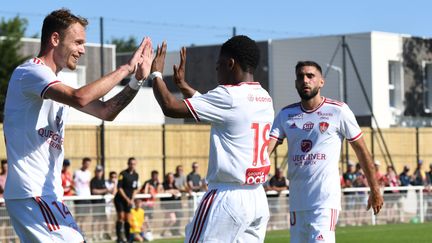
point(402, 204)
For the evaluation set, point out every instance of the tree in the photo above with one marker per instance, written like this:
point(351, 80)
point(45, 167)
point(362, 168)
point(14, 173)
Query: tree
point(11, 32)
point(125, 45)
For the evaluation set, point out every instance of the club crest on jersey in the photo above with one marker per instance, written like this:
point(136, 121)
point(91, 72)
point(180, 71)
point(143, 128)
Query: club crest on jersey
point(306, 145)
point(323, 126)
point(308, 126)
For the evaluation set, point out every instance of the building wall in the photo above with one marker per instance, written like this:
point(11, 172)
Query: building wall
point(385, 47)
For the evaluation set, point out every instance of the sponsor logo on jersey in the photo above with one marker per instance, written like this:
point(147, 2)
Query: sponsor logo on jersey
point(306, 145)
point(323, 126)
point(308, 126)
point(257, 175)
point(54, 139)
point(250, 97)
point(324, 113)
point(295, 116)
point(292, 126)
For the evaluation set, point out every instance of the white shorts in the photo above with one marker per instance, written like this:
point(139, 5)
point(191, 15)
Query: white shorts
point(230, 213)
point(43, 219)
point(313, 226)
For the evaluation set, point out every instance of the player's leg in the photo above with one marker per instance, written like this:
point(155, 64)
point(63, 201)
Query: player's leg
point(322, 225)
point(43, 220)
point(216, 219)
point(257, 217)
point(298, 232)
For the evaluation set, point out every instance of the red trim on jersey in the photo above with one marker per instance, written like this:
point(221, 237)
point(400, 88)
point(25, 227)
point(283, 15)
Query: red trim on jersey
point(46, 87)
point(201, 216)
point(242, 83)
point(38, 61)
point(192, 110)
point(355, 138)
point(333, 102)
point(316, 108)
point(276, 138)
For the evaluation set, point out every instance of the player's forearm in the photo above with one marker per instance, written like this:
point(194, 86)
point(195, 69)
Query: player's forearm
point(366, 163)
point(167, 101)
point(116, 104)
point(100, 87)
point(186, 90)
point(123, 194)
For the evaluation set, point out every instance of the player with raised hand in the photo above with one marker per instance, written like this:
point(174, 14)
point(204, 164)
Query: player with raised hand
point(37, 104)
point(240, 111)
point(315, 128)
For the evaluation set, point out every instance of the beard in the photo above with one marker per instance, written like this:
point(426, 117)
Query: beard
point(305, 96)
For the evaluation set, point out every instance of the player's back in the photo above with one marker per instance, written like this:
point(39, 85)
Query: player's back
point(238, 152)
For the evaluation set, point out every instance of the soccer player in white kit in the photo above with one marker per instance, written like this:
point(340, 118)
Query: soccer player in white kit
point(37, 104)
point(240, 111)
point(315, 129)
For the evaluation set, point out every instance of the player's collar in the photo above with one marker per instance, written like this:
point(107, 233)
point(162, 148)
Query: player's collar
point(314, 109)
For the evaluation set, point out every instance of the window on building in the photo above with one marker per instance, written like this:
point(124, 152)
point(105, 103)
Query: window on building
point(427, 87)
point(76, 78)
point(395, 85)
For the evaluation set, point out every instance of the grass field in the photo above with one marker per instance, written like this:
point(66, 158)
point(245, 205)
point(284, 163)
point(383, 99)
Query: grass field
point(391, 233)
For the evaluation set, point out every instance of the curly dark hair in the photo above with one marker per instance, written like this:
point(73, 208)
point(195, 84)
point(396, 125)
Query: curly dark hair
point(243, 50)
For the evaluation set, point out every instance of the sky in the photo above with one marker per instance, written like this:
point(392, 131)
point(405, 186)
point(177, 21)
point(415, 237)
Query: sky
point(195, 22)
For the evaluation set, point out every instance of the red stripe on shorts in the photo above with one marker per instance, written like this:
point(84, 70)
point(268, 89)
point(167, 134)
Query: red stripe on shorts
point(204, 206)
point(42, 208)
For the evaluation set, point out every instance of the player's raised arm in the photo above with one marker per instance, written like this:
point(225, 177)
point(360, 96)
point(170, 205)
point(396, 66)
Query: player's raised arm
point(179, 76)
point(171, 106)
point(376, 200)
point(83, 96)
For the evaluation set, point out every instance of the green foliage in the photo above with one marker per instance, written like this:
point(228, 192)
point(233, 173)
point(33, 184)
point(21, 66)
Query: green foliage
point(11, 32)
point(125, 45)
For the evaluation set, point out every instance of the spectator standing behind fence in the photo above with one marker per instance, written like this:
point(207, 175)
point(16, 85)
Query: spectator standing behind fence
point(82, 179)
point(404, 177)
point(170, 205)
point(349, 197)
point(3, 176)
point(360, 181)
point(277, 183)
point(98, 187)
point(111, 185)
point(417, 177)
point(180, 180)
point(67, 179)
point(194, 179)
point(126, 189)
point(151, 187)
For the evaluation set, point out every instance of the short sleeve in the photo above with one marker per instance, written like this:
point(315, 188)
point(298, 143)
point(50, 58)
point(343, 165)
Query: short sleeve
point(213, 107)
point(348, 124)
point(277, 132)
point(37, 81)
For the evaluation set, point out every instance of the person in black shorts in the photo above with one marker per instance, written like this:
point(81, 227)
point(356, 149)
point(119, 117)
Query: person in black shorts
point(127, 188)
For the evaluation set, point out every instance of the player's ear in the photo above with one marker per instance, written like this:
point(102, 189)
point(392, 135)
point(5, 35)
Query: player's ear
point(231, 63)
point(55, 39)
point(322, 82)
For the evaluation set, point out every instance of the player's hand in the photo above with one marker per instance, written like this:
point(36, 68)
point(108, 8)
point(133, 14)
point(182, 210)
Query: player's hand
point(179, 71)
point(375, 202)
point(159, 60)
point(145, 61)
point(137, 56)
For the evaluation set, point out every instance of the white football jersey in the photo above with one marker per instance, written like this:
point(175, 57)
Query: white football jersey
point(34, 133)
point(314, 144)
point(241, 117)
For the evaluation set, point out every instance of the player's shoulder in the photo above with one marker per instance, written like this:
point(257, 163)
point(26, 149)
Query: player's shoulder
point(332, 102)
point(290, 107)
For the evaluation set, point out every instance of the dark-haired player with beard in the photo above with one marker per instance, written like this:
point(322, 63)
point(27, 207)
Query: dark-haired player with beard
point(315, 128)
point(235, 208)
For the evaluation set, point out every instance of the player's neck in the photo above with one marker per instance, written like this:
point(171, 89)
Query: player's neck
point(48, 59)
point(313, 103)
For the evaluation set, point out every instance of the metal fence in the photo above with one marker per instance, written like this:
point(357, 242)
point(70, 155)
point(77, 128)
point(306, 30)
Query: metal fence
point(167, 219)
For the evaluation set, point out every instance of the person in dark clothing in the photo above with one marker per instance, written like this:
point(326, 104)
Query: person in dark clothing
point(127, 188)
point(170, 204)
point(404, 178)
point(98, 187)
